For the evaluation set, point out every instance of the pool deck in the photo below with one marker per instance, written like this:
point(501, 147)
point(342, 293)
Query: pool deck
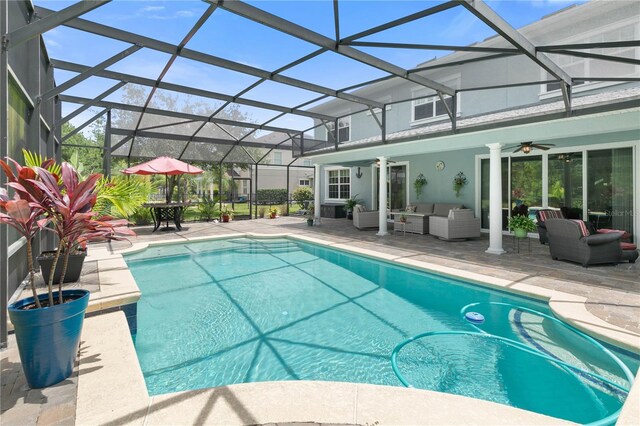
point(108, 388)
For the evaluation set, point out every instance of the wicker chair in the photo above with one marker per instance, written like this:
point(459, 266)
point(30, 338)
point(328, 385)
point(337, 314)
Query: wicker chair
point(541, 216)
point(459, 224)
point(363, 219)
point(570, 240)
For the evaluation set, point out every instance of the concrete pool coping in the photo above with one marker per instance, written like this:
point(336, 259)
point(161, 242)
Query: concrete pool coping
point(271, 402)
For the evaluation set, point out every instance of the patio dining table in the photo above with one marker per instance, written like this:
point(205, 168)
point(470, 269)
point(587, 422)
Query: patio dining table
point(165, 212)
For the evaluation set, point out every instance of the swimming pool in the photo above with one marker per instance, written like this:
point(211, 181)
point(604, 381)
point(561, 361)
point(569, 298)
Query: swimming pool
point(241, 310)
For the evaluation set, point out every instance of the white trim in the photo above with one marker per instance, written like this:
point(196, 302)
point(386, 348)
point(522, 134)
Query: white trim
point(326, 171)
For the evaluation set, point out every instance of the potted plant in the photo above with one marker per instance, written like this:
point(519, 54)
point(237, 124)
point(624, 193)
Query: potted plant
point(273, 212)
point(350, 204)
point(226, 213)
point(459, 182)
point(521, 225)
point(48, 326)
point(310, 216)
point(418, 184)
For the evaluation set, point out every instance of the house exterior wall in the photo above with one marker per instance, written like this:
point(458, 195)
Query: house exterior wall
point(591, 22)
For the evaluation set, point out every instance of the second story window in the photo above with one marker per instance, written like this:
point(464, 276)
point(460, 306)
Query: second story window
point(432, 107)
point(277, 158)
point(344, 129)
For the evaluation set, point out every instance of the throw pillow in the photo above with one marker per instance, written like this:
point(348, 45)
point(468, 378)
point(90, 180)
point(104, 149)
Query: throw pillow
point(583, 228)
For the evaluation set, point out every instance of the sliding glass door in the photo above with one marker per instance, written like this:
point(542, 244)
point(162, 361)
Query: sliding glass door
point(592, 185)
point(396, 187)
point(610, 188)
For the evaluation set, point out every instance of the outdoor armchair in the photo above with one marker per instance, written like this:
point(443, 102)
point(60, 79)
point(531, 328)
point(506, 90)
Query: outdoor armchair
point(541, 216)
point(571, 240)
point(459, 224)
point(363, 219)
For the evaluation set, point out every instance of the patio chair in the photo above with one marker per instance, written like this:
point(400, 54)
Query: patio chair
point(571, 240)
point(541, 216)
point(458, 225)
point(363, 219)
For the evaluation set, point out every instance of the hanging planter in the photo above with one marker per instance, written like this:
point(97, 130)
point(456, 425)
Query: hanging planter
point(418, 184)
point(459, 182)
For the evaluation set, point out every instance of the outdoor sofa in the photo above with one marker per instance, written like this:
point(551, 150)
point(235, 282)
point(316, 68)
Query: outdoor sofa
point(418, 221)
point(571, 240)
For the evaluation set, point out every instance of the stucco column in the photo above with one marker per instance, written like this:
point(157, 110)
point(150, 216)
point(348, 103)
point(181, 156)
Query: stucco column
point(382, 197)
point(495, 199)
point(316, 193)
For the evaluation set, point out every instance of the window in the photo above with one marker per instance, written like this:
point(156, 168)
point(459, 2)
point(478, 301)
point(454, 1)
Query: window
point(344, 129)
point(277, 158)
point(339, 184)
point(432, 107)
point(583, 67)
point(304, 182)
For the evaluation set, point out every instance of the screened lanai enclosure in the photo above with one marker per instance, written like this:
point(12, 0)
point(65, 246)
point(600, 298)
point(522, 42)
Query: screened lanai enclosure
point(273, 85)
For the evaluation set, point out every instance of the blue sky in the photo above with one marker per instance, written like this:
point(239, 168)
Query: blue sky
point(237, 39)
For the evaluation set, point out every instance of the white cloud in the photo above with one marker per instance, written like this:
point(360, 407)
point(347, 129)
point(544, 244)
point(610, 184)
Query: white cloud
point(151, 8)
point(185, 13)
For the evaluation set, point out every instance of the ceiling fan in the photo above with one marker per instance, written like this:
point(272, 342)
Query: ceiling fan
point(527, 147)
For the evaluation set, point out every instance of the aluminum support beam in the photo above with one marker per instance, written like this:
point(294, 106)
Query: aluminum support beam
point(404, 20)
point(184, 138)
point(166, 113)
point(106, 154)
point(302, 33)
point(461, 62)
point(610, 58)
point(83, 125)
point(119, 144)
point(336, 24)
point(4, 146)
point(70, 66)
point(88, 103)
point(594, 45)
point(487, 15)
point(150, 43)
point(49, 22)
point(88, 73)
point(432, 47)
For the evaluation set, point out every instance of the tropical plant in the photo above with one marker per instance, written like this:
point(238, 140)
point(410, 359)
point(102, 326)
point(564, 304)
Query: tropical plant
point(284, 209)
point(124, 194)
point(418, 184)
point(273, 211)
point(21, 213)
point(522, 222)
point(459, 182)
point(262, 211)
point(141, 216)
point(69, 206)
point(301, 195)
point(226, 210)
point(208, 209)
point(350, 203)
point(65, 201)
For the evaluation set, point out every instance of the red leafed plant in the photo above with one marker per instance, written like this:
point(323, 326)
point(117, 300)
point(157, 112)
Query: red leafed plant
point(66, 202)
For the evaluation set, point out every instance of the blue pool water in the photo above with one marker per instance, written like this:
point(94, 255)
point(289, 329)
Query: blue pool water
point(240, 310)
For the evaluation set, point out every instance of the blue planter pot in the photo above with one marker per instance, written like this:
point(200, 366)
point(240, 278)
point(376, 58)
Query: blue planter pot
point(48, 338)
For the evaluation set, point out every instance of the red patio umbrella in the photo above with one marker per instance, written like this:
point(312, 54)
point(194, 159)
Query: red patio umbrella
point(163, 166)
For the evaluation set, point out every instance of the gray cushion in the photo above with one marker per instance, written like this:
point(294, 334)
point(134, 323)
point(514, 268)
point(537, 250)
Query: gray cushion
point(442, 209)
point(424, 208)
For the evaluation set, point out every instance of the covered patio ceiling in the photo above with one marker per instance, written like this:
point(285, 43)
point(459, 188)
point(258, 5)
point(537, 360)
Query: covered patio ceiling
point(244, 111)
